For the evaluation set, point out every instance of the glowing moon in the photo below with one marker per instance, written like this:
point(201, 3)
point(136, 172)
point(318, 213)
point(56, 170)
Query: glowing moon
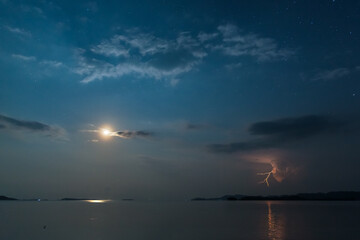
point(105, 132)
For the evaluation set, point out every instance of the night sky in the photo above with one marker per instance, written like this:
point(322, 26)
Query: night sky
point(178, 99)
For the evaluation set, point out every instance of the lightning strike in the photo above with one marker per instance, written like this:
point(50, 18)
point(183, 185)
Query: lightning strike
point(266, 180)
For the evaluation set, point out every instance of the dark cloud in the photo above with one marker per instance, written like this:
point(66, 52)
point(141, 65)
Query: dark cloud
point(30, 125)
point(277, 133)
point(15, 124)
point(293, 128)
point(132, 134)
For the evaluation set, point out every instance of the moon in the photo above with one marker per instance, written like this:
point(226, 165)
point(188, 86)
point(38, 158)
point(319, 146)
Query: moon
point(105, 132)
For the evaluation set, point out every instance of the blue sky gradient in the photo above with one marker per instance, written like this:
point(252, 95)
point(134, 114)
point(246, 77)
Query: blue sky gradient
point(181, 85)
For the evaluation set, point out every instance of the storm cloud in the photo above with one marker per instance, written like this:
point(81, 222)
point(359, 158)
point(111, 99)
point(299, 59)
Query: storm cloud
point(277, 133)
point(295, 128)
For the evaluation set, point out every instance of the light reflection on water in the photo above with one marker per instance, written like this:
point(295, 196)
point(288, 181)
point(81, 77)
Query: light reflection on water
point(97, 201)
point(276, 224)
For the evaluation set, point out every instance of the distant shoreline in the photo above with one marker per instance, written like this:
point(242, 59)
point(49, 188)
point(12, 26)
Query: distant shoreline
point(329, 196)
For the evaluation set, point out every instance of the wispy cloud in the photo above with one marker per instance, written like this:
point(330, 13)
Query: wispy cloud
point(169, 59)
point(32, 9)
point(111, 47)
point(51, 63)
point(237, 43)
point(134, 41)
point(145, 55)
point(145, 43)
point(102, 71)
point(204, 37)
point(23, 58)
point(55, 64)
point(18, 31)
point(31, 126)
point(331, 74)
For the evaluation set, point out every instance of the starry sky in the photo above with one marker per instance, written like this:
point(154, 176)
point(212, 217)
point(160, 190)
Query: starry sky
point(198, 97)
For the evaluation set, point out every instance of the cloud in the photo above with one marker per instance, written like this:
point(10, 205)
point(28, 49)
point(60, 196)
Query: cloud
point(106, 70)
point(55, 64)
point(111, 47)
point(166, 66)
point(236, 43)
point(51, 63)
point(331, 74)
point(277, 133)
point(168, 58)
point(32, 9)
point(282, 169)
point(177, 59)
point(126, 134)
point(145, 55)
point(132, 134)
point(143, 43)
point(271, 142)
point(204, 37)
point(32, 126)
point(132, 40)
point(44, 65)
point(24, 58)
point(313, 147)
point(282, 165)
point(18, 31)
point(295, 128)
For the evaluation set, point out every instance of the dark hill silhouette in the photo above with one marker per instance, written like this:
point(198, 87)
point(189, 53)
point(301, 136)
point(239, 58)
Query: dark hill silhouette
point(7, 198)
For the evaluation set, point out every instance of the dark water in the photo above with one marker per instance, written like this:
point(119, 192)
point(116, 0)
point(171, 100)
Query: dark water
point(179, 220)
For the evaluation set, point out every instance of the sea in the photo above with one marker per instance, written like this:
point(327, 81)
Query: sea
point(185, 220)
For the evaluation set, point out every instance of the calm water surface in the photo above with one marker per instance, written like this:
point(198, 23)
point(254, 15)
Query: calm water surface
point(179, 220)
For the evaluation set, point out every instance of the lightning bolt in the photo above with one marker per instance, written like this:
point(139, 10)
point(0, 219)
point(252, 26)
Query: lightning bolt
point(266, 180)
